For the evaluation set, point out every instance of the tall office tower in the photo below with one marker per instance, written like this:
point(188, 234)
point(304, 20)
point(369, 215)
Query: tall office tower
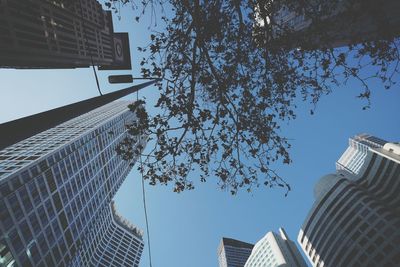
point(60, 34)
point(353, 158)
point(233, 253)
point(275, 250)
point(355, 219)
point(332, 23)
point(121, 245)
point(56, 188)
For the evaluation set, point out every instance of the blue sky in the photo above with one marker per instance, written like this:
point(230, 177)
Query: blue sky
point(186, 228)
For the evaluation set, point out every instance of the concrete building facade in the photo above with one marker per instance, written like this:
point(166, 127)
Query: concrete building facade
point(60, 34)
point(56, 188)
point(355, 219)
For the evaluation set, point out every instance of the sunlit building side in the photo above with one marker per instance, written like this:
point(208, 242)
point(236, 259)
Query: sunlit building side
point(275, 250)
point(353, 158)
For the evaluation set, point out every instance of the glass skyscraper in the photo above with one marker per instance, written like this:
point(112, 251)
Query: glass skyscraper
point(56, 189)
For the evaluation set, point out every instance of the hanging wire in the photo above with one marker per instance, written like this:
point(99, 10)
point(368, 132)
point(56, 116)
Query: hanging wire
point(87, 44)
point(144, 199)
point(145, 210)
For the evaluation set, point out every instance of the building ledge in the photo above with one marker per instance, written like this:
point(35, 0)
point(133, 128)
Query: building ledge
point(124, 223)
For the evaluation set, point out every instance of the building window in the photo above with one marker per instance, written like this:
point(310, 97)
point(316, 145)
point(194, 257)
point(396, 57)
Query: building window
point(6, 257)
point(371, 233)
point(370, 249)
point(388, 248)
point(362, 258)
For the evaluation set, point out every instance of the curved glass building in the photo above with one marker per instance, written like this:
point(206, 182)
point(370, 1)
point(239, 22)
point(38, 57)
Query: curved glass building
point(355, 220)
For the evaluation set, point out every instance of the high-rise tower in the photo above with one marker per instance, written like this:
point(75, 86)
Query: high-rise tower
point(275, 250)
point(328, 23)
point(121, 245)
point(233, 253)
point(60, 34)
point(355, 218)
point(56, 188)
point(353, 158)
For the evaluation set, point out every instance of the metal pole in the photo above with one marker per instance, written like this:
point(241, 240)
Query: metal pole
point(14, 131)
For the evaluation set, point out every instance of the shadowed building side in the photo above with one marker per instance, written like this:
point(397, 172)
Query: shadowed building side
point(60, 34)
point(233, 253)
point(330, 23)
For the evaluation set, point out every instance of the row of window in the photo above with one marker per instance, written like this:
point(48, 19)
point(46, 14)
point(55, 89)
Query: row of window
point(329, 207)
point(39, 190)
point(353, 223)
point(45, 142)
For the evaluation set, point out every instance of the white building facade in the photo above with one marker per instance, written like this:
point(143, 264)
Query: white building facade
point(275, 250)
point(353, 158)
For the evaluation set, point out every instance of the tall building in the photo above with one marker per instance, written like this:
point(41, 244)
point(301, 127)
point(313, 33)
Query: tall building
point(60, 34)
point(355, 218)
point(275, 250)
point(233, 253)
point(329, 23)
point(122, 245)
point(353, 158)
point(56, 188)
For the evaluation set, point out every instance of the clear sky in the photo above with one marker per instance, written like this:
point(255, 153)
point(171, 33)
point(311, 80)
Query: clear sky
point(186, 228)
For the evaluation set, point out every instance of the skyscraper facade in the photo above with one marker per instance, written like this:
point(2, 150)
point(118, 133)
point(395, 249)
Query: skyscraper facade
point(355, 219)
point(60, 34)
point(121, 245)
point(331, 23)
point(56, 188)
point(275, 250)
point(233, 253)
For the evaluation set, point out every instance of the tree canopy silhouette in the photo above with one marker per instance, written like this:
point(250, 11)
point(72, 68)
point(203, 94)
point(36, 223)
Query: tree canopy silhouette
point(232, 71)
